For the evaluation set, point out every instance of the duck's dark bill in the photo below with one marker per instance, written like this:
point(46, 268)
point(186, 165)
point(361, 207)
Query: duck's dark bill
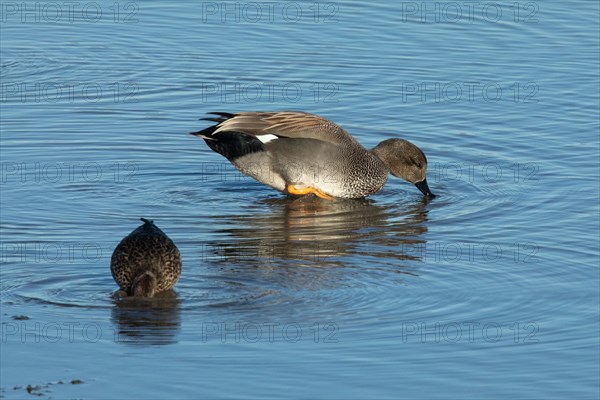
point(424, 188)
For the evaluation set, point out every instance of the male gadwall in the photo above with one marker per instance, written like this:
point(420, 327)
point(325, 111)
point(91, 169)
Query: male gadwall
point(300, 153)
point(145, 262)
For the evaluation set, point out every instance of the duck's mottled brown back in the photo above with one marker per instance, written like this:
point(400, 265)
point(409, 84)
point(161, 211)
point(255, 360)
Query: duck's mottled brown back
point(147, 251)
point(289, 124)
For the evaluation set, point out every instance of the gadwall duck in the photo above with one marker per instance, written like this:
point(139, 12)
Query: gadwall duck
point(145, 262)
point(299, 153)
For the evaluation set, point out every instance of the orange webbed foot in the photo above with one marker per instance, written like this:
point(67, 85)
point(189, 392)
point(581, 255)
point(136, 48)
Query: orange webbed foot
point(291, 189)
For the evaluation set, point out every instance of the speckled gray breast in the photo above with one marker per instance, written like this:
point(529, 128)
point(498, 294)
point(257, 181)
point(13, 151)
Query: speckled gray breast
point(340, 171)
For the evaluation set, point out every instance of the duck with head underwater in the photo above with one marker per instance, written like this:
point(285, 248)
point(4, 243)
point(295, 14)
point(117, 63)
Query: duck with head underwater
point(299, 153)
point(145, 262)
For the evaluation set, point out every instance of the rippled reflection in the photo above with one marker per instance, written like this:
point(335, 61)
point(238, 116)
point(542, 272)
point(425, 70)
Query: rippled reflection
point(148, 321)
point(314, 232)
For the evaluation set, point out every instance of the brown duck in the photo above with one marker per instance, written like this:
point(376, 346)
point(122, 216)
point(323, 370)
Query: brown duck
point(146, 262)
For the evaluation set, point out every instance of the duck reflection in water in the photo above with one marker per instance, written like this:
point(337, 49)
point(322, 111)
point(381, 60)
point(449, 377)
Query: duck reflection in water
point(312, 232)
point(147, 321)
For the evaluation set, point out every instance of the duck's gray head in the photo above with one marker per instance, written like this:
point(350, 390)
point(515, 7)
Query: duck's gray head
point(144, 285)
point(406, 161)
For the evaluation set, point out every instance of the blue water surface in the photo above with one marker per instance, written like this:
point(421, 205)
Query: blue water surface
point(490, 290)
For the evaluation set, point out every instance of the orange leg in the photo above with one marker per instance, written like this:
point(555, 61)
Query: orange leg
point(291, 189)
point(323, 195)
point(299, 191)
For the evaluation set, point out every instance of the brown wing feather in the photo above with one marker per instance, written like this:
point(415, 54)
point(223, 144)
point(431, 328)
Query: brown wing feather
point(290, 124)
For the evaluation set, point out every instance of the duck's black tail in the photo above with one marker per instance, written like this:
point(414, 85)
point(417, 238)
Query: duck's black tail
point(229, 144)
point(208, 132)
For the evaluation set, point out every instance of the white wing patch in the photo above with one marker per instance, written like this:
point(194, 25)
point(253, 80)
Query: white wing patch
point(266, 138)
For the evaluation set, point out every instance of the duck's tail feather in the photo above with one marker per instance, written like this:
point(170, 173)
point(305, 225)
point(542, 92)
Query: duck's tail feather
point(231, 144)
point(208, 132)
point(222, 117)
